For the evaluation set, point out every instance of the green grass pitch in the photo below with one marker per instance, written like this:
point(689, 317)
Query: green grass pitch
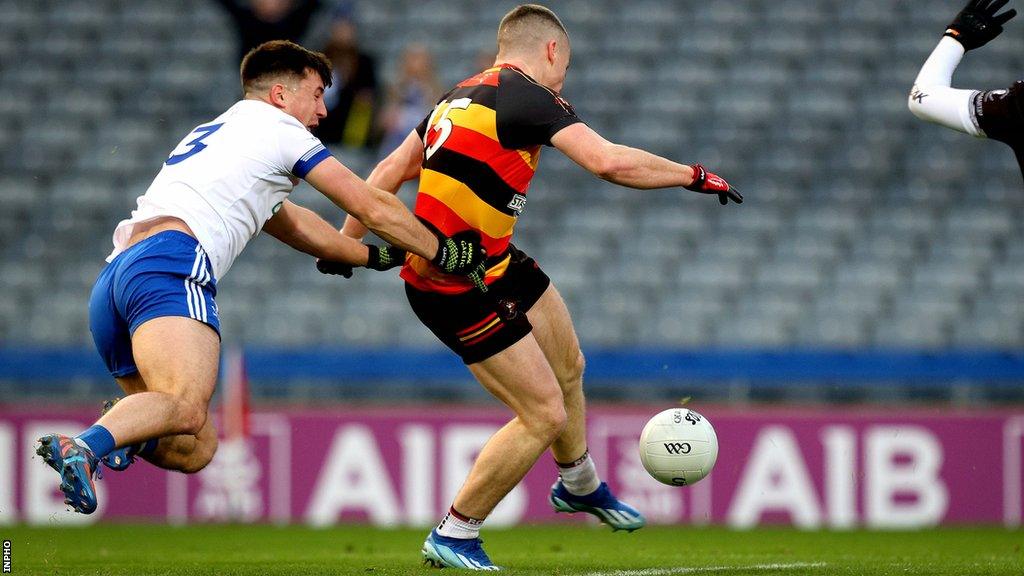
point(581, 549)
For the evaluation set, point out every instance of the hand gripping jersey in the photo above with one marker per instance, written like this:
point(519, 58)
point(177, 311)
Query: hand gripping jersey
point(227, 178)
point(1000, 114)
point(481, 147)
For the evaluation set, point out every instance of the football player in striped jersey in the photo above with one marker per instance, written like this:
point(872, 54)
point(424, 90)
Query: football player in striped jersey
point(475, 155)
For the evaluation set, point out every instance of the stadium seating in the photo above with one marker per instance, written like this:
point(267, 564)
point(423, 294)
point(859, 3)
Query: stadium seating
point(863, 227)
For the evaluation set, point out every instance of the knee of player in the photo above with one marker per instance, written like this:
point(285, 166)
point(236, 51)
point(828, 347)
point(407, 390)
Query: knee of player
point(570, 376)
point(201, 456)
point(560, 420)
point(191, 417)
point(576, 368)
point(551, 420)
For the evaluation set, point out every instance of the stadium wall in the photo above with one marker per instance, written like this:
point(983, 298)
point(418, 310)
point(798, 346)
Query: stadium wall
point(772, 366)
point(812, 468)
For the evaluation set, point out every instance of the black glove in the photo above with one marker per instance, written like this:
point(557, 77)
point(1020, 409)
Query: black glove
point(332, 267)
point(708, 183)
point(978, 23)
point(460, 254)
point(385, 257)
point(380, 258)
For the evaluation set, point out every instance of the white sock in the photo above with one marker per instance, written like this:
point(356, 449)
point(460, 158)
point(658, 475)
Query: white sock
point(580, 477)
point(456, 525)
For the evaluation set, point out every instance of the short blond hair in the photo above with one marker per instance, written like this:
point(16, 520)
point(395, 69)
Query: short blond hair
point(526, 25)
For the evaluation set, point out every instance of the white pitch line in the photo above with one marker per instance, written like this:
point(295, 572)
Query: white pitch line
point(708, 569)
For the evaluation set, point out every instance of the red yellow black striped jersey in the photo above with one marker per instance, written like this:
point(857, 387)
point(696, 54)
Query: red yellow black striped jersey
point(481, 145)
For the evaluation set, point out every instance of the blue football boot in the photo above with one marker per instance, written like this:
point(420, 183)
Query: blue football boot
point(76, 466)
point(121, 458)
point(601, 503)
point(444, 552)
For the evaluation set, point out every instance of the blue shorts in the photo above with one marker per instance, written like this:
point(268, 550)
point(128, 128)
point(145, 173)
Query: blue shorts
point(167, 274)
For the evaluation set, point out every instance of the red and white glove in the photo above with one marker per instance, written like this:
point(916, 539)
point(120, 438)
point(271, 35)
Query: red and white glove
point(709, 183)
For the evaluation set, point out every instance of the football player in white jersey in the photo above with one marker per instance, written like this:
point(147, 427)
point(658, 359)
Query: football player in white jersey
point(152, 311)
point(994, 114)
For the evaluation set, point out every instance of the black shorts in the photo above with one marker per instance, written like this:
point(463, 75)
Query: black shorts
point(477, 326)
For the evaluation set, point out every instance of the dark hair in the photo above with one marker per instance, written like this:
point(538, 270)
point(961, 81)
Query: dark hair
point(524, 20)
point(282, 58)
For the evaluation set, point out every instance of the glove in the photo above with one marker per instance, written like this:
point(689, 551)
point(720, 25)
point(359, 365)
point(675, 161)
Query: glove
point(708, 183)
point(380, 258)
point(978, 23)
point(385, 257)
point(335, 268)
point(460, 254)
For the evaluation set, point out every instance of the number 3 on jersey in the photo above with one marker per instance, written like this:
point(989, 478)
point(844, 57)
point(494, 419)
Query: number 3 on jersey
point(195, 146)
point(438, 132)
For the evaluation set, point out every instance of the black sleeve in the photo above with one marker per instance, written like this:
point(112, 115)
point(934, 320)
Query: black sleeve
point(1000, 113)
point(527, 113)
point(422, 128)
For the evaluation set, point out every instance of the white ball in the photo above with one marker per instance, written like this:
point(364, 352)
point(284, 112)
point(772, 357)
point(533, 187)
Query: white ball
point(678, 447)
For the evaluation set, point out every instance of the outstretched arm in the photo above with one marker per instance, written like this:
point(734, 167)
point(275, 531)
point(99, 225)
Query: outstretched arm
point(617, 163)
point(304, 230)
point(377, 209)
point(401, 165)
point(932, 98)
point(385, 214)
point(634, 167)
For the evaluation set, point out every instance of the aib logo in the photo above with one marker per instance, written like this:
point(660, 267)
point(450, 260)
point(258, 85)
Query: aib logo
point(677, 447)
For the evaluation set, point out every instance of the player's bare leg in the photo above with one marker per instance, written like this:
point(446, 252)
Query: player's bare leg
point(186, 453)
point(178, 360)
point(522, 379)
point(579, 488)
point(553, 329)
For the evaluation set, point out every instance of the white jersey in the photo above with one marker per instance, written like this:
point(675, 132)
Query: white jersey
point(227, 178)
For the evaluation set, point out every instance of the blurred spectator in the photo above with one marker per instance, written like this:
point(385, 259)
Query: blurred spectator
point(410, 97)
point(352, 99)
point(259, 21)
point(483, 60)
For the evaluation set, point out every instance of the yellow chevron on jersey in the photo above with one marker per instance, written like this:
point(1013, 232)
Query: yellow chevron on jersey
point(464, 202)
point(478, 118)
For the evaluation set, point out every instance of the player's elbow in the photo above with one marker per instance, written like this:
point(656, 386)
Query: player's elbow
point(915, 103)
point(387, 167)
point(605, 172)
point(375, 215)
point(611, 162)
point(914, 106)
point(397, 168)
point(921, 110)
point(608, 167)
